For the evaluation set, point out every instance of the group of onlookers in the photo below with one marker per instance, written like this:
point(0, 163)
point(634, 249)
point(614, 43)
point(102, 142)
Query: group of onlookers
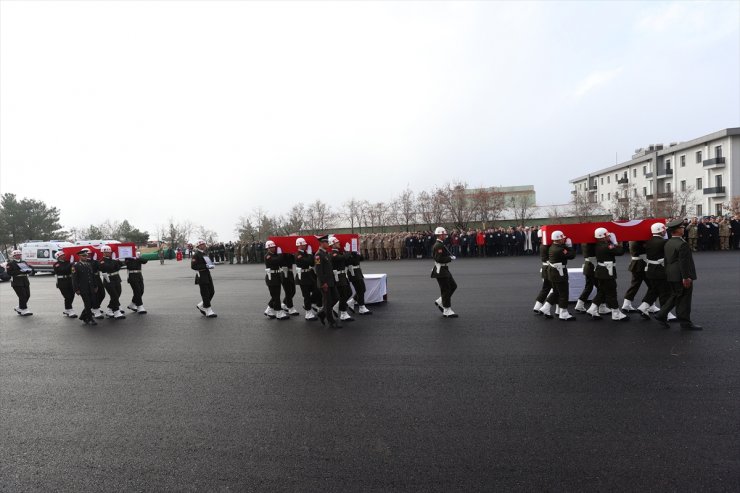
point(713, 233)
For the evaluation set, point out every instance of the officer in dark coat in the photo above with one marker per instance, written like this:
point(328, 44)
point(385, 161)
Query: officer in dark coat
point(607, 248)
point(202, 264)
point(325, 282)
point(589, 275)
point(63, 273)
point(339, 267)
point(273, 263)
point(136, 280)
point(441, 272)
point(84, 284)
point(357, 279)
point(109, 268)
point(20, 271)
point(558, 255)
point(306, 279)
point(637, 268)
point(681, 274)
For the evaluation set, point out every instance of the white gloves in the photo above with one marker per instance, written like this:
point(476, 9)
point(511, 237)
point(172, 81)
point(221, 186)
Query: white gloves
point(452, 257)
point(568, 242)
point(613, 238)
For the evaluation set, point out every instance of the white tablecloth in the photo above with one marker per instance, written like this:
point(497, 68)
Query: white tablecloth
point(576, 281)
point(376, 288)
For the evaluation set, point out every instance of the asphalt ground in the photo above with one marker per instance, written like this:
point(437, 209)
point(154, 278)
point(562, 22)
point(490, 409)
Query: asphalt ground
point(401, 400)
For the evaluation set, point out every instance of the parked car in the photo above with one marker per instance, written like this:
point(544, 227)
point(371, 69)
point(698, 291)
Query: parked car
point(4, 276)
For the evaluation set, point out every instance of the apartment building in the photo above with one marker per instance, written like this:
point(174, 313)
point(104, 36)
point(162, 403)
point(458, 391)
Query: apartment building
point(701, 174)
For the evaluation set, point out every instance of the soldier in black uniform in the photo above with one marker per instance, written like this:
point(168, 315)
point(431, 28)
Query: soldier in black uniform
point(681, 274)
point(287, 279)
point(607, 248)
point(357, 279)
point(339, 266)
point(325, 282)
point(589, 275)
point(655, 273)
point(63, 272)
point(273, 263)
point(441, 272)
point(540, 301)
point(19, 271)
point(306, 279)
point(637, 268)
point(559, 253)
point(84, 284)
point(203, 265)
point(109, 268)
point(136, 280)
point(99, 294)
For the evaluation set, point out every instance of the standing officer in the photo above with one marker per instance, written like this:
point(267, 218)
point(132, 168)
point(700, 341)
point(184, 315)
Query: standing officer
point(136, 280)
point(306, 279)
point(637, 268)
point(19, 271)
point(589, 271)
point(85, 285)
point(110, 267)
point(287, 279)
point(607, 248)
point(63, 271)
point(203, 265)
point(441, 272)
point(681, 274)
point(558, 255)
point(357, 279)
point(325, 282)
point(273, 263)
point(339, 268)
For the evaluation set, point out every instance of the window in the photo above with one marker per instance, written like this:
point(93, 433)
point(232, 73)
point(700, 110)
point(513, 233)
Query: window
point(698, 156)
point(644, 170)
point(634, 173)
point(683, 210)
point(667, 164)
point(683, 185)
point(718, 151)
point(718, 181)
point(602, 180)
point(616, 176)
point(667, 188)
point(718, 207)
point(698, 184)
point(616, 195)
point(698, 210)
point(608, 196)
point(602, 197)
point(683, 160)
point(644, 191)
point(634, 192)
point(608, 178)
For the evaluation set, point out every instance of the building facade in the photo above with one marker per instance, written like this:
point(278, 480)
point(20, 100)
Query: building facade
point(694, 178)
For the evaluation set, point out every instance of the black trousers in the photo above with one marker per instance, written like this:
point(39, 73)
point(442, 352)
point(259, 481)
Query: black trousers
point(88, 299)
point(447, 287)
point(274, 290)
point(560, 290)
point(289, 289)
point(606, 292)
point(546, 287)
point(206, 292)
point(311, 296)
point(99, 295)
point(68, 293)
point(658, 289)
point(587, 288)
point(24, 293)
point(680, 298)
point(345, 292)
point(637, 278)
point(328, 299)
point(358, 281)
point(113, 287)
point(136, 281)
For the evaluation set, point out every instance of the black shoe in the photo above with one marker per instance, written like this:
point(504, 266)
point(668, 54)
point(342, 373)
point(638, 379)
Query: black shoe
point(322, 317)
point(662, 321)
point(691, 326)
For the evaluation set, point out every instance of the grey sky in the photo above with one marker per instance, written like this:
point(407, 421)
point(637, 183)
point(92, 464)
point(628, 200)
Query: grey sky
point(206, 110)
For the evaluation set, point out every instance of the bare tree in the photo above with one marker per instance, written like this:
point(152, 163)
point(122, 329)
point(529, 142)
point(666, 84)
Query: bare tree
point(734, 206)
point(424, 207)
point(177, 233)
point(295, 220)
point(523, 207)
point(352, 212)
point(488, 205)
point(245, 229)
point(319, 216)
point(380, 213)
point(583, 206)
point(206, 235)
point(455, 200)
point(406, 210)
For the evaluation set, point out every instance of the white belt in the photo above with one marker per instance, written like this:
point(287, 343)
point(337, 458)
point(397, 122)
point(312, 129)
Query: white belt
point(609, 266)
point(133, 271)
point(438, 266)
point(648, 263)
point(557, 265)
point(21, 275)
point(337, 272)
point(352, 269)
point(63, 277)
point(270, 272)
point(641, 257)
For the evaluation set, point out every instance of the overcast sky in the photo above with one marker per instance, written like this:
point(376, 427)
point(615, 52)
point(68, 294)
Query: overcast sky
point(203, 111)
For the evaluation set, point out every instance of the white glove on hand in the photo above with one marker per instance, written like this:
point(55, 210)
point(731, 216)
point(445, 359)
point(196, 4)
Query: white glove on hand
point(452, 257)
point(211, 267)
point(613, 238)
point(568, 242)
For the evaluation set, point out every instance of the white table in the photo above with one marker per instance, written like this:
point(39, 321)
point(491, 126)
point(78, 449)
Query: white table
point(576, 281)
point(376, 288)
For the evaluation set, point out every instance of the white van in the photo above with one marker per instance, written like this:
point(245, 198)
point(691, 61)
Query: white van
point(96, 242)
point(39, 255)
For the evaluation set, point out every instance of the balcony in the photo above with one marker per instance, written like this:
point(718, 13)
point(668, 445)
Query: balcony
point(623, 200)
point(665, 195)
point(622, 181)
point(664, 174)
point(716, 191)
point(649, 196)
point(649, 174)
point(717, 162)
point(592, 187)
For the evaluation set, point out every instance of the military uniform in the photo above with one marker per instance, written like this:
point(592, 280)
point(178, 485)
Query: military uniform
point(546, 284)
point(589, 274)
point(680, 274)
point(558, 256)
point(273, 263)
point(441, 272)
point(136, 280)
point(306, 279)
point(357, 279)
point(637, 268)
point(326, 284)
point(99, 292)
point(110, 268)
point(606, 275)
point(20, 271)
point(85, 285)
point(693, 234)
point(204, 281)
point(339, 268)
point(287, 279)
point(63, 273)
point(654, 274)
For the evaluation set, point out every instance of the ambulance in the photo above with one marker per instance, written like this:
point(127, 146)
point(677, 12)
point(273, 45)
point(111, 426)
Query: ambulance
point(39, 255)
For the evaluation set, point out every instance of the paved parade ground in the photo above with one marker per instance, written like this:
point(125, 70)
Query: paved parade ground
point(401, 400)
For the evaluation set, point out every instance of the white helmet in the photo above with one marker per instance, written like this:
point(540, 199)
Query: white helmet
point(440, 231)
point(600, 233)
point(201, 243)
point(300, 242)
point(16, 252)
point(658, 228)
point(105, 249)
point(333, 239)
point(59, 254)
point(270, 244)
point(557, 235)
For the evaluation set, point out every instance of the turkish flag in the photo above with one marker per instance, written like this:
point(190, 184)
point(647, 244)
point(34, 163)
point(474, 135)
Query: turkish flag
point(635, 230)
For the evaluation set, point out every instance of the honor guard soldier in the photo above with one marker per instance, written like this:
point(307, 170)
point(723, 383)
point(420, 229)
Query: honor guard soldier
point(109, 268)
point(306, 279)
point(655, 273)
point(357, 279)
point(339, 269)
point(637, 268)
point(559, 253)
point(441, 272)
point(202, 264)
point(136, 280)
point(325, 282)
point(287, 279)
point(589, 275)
point(19, 271)
point(681, 274)
point(540, 301)
point(607, 248)
point(273, 263)
point(100, 292)
point(85, 285)
point(63, 272)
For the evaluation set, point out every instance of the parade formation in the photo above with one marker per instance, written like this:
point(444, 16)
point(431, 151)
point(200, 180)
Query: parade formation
point(333, 287)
